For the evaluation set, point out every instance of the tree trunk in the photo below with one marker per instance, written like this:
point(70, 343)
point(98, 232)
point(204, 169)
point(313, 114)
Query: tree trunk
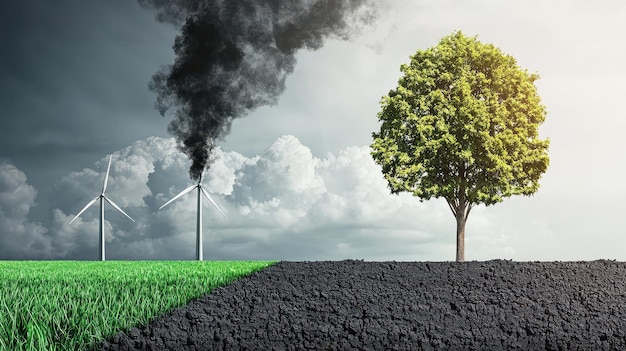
point(461, 210)
point(460, 235)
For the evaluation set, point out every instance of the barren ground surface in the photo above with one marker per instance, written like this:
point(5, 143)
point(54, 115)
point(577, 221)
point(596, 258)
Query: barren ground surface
point(356, 305)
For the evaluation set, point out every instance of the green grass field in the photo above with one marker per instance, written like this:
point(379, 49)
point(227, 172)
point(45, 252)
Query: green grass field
point(67, 305)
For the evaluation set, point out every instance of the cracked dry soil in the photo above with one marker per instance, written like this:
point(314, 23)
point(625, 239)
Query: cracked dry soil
point(357, 305)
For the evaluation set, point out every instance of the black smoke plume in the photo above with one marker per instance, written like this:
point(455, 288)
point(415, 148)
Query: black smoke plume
point(233, 56)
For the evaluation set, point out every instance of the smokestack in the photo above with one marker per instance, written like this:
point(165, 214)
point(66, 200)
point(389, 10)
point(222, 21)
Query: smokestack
point(233, 56)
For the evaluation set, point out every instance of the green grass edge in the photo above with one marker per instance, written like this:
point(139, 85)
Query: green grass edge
point(75, 305)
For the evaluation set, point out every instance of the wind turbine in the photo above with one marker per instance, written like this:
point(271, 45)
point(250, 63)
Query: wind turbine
point(201, 191)
point(102, 199)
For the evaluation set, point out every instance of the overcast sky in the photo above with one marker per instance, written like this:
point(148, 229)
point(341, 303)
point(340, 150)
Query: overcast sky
point(296, 180)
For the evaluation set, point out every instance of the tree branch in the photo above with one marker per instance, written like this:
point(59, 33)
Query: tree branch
point(476, 188)
point(469, 208)
point(451, 207)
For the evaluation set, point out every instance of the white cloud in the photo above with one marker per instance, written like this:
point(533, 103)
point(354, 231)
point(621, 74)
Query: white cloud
point(282, 204)
point(19, 237)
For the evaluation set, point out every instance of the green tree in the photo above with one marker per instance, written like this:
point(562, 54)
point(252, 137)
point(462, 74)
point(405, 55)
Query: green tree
point(463, 125)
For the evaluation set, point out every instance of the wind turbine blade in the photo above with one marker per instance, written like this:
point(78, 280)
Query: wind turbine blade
point(179, 195)
point(117, 208)
point(106, 177)
point(84, 208)
point(210, 199)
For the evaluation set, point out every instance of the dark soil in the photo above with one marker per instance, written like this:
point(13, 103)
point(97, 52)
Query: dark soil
point(356, 305)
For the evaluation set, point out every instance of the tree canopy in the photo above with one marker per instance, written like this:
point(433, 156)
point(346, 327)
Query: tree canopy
point(463, 125)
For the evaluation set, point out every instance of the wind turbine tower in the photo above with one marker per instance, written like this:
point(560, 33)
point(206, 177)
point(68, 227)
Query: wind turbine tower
point(201, 191)
point(102, 199)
